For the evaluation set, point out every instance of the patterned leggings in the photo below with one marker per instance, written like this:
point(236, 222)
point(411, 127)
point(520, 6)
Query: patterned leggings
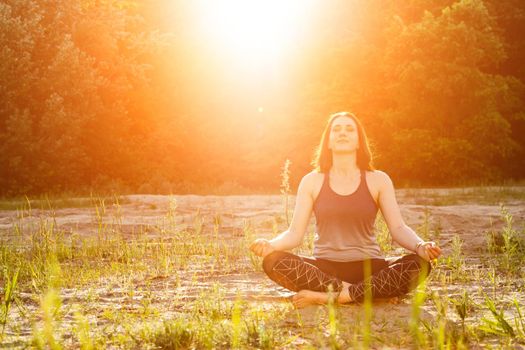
point(386, 277)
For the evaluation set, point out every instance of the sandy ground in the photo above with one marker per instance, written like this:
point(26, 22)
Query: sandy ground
point(141, 213)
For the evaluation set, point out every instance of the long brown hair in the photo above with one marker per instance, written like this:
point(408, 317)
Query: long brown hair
point(323, 155)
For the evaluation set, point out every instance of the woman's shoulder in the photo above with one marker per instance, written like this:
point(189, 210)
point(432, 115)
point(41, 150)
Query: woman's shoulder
point(312, 181)
point(313, 177)
point(378, 177)
point(314, 173)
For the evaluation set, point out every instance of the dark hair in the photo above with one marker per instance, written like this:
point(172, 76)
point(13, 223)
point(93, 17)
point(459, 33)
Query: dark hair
point(323, 155)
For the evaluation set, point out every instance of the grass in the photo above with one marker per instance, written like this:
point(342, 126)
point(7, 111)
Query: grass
point(285, 188)
point(175, 284)
point(489, 195)
point(46, 202)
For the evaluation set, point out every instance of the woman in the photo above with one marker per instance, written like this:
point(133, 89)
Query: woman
point(345, 193)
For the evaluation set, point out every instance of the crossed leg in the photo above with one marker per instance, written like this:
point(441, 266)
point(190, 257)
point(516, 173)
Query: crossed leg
point(300, 274)
point(313, 280)
point(400, 277)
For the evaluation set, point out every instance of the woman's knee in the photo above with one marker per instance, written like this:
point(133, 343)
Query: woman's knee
point(271, 259)
point(424, 266)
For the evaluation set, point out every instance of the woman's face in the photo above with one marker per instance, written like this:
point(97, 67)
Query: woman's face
point(343, 135)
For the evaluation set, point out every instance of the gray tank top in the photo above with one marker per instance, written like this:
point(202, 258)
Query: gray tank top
point(345, 224)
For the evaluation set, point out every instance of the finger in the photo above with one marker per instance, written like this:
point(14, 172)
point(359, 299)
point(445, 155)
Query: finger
point(432, 254)
point(264, 251)
point(428, 249)
point(434, 248)
point(436, 252)
point(254, 245)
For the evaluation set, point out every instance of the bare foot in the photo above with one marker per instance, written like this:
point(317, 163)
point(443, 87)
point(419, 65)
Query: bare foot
point(308, 297)
point(394, 300)
point(344, 296)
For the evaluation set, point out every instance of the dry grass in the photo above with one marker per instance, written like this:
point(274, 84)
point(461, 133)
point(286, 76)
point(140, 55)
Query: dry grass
point(175, 272)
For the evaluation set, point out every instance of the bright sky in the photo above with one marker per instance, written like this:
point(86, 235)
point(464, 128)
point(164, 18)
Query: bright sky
point(253, 33)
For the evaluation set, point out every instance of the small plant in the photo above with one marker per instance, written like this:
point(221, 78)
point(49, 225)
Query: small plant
point(198, 223)
point(236, 323)
point(519, 321)
point(513, 246)
point(463, 306)
point(178, 334)
point(333, 322)
point(455, 260)
point(117, 220)
point(507, 246)
point(82, 331)
point(100, 213)
point(424, 228)
point(384, 239)
point(46, 337)
point(499, 325)
point(171, 215)
point(8, 296)
point(249, 236)
point(417, 302)
point(367, 303)
point(438, 330)
point(285, 187)
point(259, 334)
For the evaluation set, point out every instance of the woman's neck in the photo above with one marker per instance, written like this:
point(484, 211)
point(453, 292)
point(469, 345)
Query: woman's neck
point(344, 165)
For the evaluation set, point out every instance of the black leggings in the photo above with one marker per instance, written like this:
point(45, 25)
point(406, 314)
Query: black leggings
point(386, 277)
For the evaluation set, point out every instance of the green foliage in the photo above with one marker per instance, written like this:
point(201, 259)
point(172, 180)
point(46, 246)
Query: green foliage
point(10, 285)
point(69, 71)
point(455, 261)
point(285, 188)
point(177, 334)
point(498, 324)
point(508, 246)
point(384, 239)
point(446, 97)
point(97, 95)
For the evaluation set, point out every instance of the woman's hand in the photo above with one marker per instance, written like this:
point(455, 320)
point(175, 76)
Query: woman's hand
point(428, 251)
point(261, 247)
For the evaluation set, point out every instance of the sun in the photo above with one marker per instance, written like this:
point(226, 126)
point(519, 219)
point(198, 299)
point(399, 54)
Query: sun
point(253, 32)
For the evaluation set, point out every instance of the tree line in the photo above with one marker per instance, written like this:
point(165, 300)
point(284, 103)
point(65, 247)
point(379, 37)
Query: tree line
point(122, 95)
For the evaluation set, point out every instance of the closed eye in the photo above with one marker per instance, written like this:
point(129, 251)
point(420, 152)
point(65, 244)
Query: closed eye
point(338, 128)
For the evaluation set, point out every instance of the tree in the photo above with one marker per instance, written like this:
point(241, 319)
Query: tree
point(448, 113)
point(72, 72)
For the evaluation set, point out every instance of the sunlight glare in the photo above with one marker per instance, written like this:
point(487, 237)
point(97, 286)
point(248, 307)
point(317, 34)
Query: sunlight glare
point(253, 32)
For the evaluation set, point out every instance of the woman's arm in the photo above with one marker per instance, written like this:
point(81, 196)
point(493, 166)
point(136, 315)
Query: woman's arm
point(292, 237)
point(401, 233)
